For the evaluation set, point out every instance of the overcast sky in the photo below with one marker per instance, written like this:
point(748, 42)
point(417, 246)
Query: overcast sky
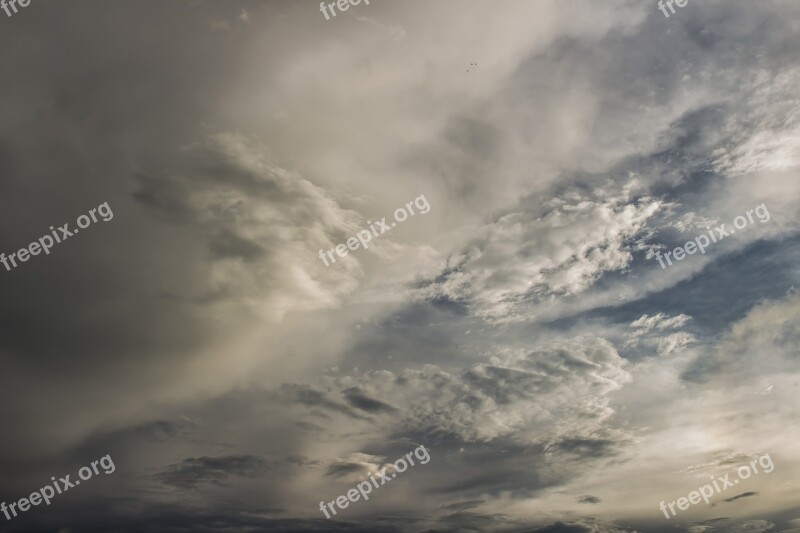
point(522, 330)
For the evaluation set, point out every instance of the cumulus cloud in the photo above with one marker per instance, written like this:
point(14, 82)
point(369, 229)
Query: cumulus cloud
point(537, 254)
point(657, 334)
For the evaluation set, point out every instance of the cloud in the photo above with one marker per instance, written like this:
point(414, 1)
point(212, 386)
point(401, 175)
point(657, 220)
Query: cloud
point(739, 496)
point(356, 466)
point(309, 397)
point(761, 344)
point(657, 335)
point(167, 518)
point(357, 399)
point(659, 322)
point(261, 225)
point(537, 254)
point(768, 138)
point(553, 393)
point(583, 526)
point(736, 526)
point(193, 472)
point(163, 430)
point(590, 135)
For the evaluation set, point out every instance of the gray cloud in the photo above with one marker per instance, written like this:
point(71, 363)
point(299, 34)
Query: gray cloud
point(196, 471)
point(739, 496)
point(365, 403)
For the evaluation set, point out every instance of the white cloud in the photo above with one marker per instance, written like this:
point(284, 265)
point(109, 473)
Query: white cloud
point(530, 257)
point(657, 334)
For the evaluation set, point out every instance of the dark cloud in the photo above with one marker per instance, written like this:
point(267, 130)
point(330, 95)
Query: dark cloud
point(582, 526)
point(345, 469)
point(193, 472)
point(586, 447)
point(306, 396)
point(561, 527)
point(164, 518)
point(357, 399)
point(162, 430)
point(461, 506)
point(300, 460)
point(742, 495)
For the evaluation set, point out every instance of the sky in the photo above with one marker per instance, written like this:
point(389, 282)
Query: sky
point(222, 337)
